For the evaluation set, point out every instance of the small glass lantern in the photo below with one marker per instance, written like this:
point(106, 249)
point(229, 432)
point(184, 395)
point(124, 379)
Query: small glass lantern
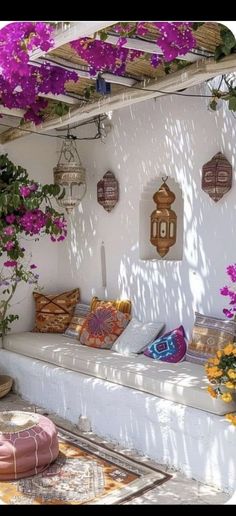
point(163, 220)
point(70, 175)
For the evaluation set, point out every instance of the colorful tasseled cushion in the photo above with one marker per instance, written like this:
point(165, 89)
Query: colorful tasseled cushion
point(54, 311)
point(102, 327)
point(209, 335)
point(123, 305)
point(80, 313)
point(171, 347)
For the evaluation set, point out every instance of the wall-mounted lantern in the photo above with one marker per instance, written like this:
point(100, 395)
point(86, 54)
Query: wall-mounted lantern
point(163, 220)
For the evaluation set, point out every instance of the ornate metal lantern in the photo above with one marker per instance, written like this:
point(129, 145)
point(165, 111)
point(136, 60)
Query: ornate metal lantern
point(163, 220)
point(70, 175)
point(108, 191)
point(217, 177)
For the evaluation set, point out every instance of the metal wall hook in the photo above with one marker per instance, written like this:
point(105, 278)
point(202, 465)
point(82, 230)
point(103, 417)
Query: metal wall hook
point(164, 179)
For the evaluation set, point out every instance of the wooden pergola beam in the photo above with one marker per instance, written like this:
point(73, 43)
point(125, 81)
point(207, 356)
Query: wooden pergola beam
point(195, 74)
point(76, 30)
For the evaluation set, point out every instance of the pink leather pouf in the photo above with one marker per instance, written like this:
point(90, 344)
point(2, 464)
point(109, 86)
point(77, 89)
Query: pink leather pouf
point(28, 444)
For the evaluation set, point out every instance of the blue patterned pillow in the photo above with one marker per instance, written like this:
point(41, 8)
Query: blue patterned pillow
point(171, 347)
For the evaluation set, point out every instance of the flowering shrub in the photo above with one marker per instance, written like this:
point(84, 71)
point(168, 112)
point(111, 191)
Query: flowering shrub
point(25, 211)
point(175, 39)
point(221, 373)
point(21, 82)
point(230, 291)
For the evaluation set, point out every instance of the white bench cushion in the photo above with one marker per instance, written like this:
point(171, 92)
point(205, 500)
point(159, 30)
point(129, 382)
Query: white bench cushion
point(183, 383)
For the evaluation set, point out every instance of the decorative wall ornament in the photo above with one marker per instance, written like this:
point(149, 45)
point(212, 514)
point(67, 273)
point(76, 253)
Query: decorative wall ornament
point(163, 220)
point(217, 177)
point(70, 175)
point(108, 191)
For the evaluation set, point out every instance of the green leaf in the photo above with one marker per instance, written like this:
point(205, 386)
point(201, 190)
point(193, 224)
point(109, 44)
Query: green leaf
point(232, 104)
point(219, 52)
point(103, 35)
point(63, 193)
point(196, 25)
point(227, 38)
point(61, 108)
point(213, 105)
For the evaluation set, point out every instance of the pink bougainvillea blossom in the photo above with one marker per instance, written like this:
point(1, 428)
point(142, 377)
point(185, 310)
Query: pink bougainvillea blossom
point(10, 218)
point(9, 230)
point(33, 221)
point(9, 245)
point(25, 191)
point(230, 292)
point(10, 263)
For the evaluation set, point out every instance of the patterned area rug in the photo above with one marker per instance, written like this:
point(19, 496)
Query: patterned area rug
point(84, 473)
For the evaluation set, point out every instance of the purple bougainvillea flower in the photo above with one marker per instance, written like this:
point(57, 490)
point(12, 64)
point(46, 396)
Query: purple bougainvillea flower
point(9, 231)
point(33, 266)
point(231, 271)
point(10, 263)
point(9, 245)
point(25, 191)
point(224, 291)
point(228, 313)
point(10, 218)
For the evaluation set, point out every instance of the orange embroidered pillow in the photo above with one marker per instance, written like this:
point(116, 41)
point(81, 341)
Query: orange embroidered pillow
point(102, 327)
point(54, 311)
point(121, 305)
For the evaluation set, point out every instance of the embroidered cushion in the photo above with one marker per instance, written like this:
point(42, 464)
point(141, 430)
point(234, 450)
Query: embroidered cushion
point(171, 347)
point(137, 336)
point(102, 327)
point(120, 304)
point(209, 335)
point(80, 313)
point(54, 311)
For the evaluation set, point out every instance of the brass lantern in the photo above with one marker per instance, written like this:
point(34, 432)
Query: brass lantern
point(163, 220)
point(70, 175)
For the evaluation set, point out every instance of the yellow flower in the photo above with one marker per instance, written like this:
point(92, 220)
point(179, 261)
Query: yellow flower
point(228, 349)
point(219, 353)
point(214, 361)
point(214, 372)
point(212, 392)
point(229, 385)
point(231, 374)
point(231, 418)
point(226, 397)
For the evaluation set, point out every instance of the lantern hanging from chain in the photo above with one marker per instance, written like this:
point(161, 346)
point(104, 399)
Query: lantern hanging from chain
point(70, 174)
point(163, 220)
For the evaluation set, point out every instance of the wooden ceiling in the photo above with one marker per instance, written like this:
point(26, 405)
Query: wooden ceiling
point(138, 73)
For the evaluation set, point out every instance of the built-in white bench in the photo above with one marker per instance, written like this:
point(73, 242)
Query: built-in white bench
point(160, 409)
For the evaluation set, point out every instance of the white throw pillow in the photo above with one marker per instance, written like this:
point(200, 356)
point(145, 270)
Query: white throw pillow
point(136, 336)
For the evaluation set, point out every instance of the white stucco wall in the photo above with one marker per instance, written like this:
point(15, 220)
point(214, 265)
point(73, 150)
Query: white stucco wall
point(174, 136)
point(38, 155)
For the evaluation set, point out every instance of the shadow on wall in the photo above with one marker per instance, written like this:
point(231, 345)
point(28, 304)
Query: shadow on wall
point(173, 138)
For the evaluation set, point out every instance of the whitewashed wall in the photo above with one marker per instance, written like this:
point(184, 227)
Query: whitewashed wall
point(173, 136)
point(38, 155)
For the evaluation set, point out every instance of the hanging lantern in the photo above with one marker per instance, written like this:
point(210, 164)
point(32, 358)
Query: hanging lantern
point(70, 175)
point(217, 177)
point(108, 191)
point(163, 220)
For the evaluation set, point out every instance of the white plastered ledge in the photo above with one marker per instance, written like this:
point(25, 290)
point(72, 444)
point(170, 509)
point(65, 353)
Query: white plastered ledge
point(198, 443)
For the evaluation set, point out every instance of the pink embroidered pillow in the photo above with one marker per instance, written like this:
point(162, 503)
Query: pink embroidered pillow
point(102, 327)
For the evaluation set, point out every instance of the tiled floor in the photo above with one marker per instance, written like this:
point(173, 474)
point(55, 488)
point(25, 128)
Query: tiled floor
point(179, 490)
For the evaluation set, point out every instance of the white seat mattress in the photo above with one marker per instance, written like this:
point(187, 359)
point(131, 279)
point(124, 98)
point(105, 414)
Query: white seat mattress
point(183, 383)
